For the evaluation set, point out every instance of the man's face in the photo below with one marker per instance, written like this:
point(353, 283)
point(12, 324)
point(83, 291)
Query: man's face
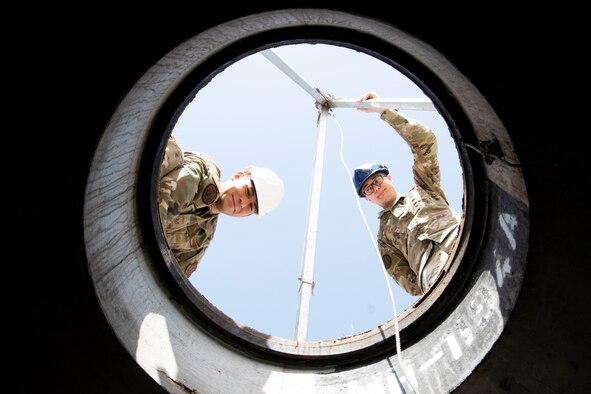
point(379, 189)
point(239, 199)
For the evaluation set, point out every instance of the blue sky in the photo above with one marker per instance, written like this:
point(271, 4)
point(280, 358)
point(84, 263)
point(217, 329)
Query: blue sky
point(252, 113)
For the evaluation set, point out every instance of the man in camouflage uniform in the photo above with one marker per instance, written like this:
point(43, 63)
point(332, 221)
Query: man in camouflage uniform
point(191, 196)
point(418, 229)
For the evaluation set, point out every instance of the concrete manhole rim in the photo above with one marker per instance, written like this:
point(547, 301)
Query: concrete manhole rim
point(138, 302)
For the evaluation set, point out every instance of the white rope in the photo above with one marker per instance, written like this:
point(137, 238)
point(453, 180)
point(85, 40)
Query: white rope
point(386, 276)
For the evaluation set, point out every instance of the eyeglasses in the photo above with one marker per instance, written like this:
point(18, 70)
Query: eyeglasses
point(375, 182)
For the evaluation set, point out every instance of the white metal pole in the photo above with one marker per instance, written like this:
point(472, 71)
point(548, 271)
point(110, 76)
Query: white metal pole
point(307, 277)
point(290, 72)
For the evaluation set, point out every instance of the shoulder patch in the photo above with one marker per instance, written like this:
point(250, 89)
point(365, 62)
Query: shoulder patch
point(210, 194)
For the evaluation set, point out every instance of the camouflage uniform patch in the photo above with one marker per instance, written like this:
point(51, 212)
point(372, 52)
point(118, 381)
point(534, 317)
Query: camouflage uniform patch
point(210, 194)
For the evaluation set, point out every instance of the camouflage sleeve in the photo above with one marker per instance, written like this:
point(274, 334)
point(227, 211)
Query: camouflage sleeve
point(188, 264)
point(423, 144)
point(399, 269)
point(173, 157)
point(188, 256)
point(177, 189)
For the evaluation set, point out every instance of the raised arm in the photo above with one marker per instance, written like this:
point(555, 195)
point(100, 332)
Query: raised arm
point(421, 140)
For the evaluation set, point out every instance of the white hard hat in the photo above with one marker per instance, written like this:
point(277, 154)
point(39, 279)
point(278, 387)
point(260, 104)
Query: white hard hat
point(268, 187)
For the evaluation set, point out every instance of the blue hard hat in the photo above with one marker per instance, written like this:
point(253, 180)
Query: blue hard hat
point(363, 172)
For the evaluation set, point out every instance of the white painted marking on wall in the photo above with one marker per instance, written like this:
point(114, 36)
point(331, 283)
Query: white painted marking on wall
point(456, 352)
point(465, 331)
point(508, 224)
point(502, 269)
point(431, 361)
point(476, 306)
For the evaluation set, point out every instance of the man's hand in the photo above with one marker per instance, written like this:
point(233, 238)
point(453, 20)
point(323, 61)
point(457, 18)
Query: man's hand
point(369, 96)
